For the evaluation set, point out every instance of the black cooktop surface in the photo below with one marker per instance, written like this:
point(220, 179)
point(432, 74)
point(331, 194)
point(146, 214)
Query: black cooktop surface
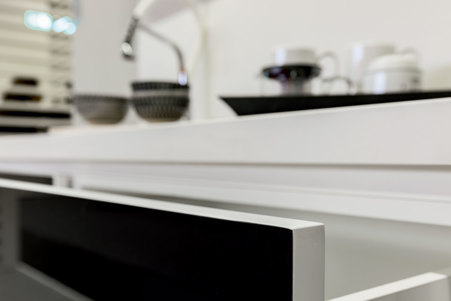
point(250, 105)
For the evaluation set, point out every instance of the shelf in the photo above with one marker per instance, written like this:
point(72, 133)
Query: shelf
point(33, 122)
point(21, 115)
point(33, 107)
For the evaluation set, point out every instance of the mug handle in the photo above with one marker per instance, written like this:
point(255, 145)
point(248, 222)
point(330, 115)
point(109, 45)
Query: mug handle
point(327, 82)
point(331, 56)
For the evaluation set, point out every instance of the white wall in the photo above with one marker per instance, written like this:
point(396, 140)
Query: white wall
point(242, 32)
point(98, 66)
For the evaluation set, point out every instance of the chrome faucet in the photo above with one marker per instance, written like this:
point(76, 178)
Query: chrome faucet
point(127, 46)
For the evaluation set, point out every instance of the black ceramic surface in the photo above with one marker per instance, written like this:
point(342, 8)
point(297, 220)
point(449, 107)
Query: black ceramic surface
point(250, 105)
point(111, 252)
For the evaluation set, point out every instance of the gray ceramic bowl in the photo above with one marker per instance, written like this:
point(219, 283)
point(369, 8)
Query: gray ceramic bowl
point(160, 101)
point(101, 109)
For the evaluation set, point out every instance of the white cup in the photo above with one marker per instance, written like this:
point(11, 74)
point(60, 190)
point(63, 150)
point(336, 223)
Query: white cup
point(393, 73)
point(291, 57)
point(294, 55)
point(360, 55)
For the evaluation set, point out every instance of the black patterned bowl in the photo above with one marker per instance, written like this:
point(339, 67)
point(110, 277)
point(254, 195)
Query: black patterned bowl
point(160, 101)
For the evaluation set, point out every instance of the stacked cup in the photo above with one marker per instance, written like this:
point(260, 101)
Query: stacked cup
point(378, 68)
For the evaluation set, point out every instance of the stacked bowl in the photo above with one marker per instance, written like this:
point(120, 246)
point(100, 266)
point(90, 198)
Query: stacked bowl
point(160, 101)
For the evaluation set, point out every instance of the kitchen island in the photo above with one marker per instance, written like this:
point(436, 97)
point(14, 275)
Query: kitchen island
point(377, 176)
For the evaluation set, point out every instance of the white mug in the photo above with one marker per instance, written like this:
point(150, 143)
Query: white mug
point(393, 73)
point(295, 55)
point(360, 55)
point(292, 56)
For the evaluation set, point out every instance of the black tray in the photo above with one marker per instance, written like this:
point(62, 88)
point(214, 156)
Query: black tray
point(274, 104)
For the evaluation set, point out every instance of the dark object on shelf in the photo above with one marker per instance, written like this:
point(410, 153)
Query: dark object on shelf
point(295, 72)
point(294, 79)
point(9, 130)
point(34, 114)
point(10, 96)
point(274, 104)
point(26, 81)
point(101, 109)
point(160, 101)
point(32, 119)
point(23, 89)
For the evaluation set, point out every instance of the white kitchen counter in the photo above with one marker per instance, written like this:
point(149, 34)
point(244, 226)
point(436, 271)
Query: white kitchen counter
point(390, 161)
point(410, 133)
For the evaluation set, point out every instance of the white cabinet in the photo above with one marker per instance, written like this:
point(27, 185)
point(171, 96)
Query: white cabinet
point(365, 259)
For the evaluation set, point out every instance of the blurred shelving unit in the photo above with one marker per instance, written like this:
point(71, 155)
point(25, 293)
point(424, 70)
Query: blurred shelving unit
point(35, 67)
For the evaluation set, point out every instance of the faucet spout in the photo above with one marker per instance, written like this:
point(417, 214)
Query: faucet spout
point(127, 46)
point(129, 53)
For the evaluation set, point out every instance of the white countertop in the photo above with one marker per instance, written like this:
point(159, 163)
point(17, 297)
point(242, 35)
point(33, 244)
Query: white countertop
point(409, 133)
